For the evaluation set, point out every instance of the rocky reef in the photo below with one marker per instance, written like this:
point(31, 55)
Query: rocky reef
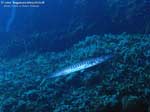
point(118, 85)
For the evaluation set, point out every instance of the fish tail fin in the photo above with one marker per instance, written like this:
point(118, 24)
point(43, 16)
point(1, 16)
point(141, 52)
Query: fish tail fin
point(108, 57)
point(46, 78)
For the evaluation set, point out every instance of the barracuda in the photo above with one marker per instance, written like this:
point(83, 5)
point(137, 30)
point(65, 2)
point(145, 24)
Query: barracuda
point(80, 66)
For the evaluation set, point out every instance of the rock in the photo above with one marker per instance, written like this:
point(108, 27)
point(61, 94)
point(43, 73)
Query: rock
point(8, 104)
point(21, 107)
point(133, 104)
point(32, 95)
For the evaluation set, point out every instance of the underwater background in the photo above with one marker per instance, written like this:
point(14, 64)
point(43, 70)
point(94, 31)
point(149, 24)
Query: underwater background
point(37, 41)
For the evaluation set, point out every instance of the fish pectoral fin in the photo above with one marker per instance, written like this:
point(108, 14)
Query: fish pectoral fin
point(82, 71)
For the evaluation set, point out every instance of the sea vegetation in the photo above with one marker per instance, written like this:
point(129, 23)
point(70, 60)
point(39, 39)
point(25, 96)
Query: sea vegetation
point(118, 85)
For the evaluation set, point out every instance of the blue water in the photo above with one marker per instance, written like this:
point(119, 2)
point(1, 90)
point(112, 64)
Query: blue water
point(40, 38)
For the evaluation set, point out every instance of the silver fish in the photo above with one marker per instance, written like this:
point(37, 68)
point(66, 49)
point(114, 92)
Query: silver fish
point(80, 66)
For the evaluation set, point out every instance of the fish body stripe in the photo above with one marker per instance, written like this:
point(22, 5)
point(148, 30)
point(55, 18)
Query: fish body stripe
point(80, 66)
